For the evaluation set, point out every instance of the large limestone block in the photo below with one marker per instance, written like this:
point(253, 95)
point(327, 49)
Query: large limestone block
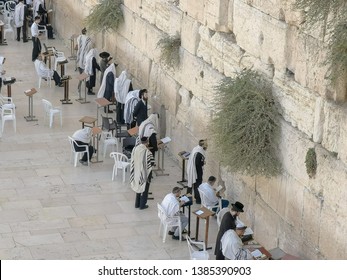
point(190, 36)
point(162, 15)
point(259, 34)
point(216, 14)
point(193, 8)
point(142, 66)
point(130, 22)
point(331, 128)
point(204, 46)
point(134, 6)
point(311, 217)
point(297, 104)
point(148, 10)
point(318, 120)
point(210, 79)
point(342, 147)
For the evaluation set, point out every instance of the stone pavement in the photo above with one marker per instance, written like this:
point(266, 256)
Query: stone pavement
point(50, 209)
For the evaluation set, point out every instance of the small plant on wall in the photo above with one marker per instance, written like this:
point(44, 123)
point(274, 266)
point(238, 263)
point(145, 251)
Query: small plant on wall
point(246, 125)
point(170, 50)
point(105, 16)
point(331, 16)
point(311, 162)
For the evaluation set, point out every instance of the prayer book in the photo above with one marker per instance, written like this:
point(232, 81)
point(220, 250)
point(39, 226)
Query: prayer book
point(219, 188)
point(256, 253)
point(2, 60)
point(248, 231)
point(186, 155)
point(184, 198)
point(199, 212)
point(165, 140)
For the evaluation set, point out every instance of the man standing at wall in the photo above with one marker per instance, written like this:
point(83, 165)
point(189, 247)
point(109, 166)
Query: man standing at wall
point(84, 44)
point(35, 38)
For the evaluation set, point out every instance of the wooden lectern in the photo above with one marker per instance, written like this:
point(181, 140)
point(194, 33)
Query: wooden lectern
point(159, 171)
point(82, 77)
point(203, 213)
point(8, 82)
point(72, 46)
point(30, 93)
point(96, 131)
point(66, 99)
point(100, 103)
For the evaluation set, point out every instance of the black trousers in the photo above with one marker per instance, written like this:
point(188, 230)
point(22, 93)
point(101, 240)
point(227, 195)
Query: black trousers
point(36, 48)
point(56, 78)
point(196, 191)
point(141, 198)
point(90, 148)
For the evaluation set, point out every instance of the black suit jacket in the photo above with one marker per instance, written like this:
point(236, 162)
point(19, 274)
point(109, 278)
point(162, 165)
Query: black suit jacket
point(140, 112)
point(228, 222)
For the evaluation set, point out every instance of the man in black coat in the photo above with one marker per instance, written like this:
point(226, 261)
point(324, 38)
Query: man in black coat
point(228, 222)
point(140, 110)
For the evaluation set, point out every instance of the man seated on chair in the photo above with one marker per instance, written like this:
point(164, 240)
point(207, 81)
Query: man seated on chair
point(211, 195)
point(171, 205)
point(232, 246)
point(83, 137)
point(44, 71)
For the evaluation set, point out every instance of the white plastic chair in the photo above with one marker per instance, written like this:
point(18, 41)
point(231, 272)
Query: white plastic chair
point(47, 77)
point(77, 154)
point(120, 162)
point(43, 30)
point(167, 222)
point(2, 7)
point(6, 102)
point(8, 114)
point(109, 140)
point(205, 204)
point(196, 254)
point(50, 111)
point(58, 57)
point(220, 215)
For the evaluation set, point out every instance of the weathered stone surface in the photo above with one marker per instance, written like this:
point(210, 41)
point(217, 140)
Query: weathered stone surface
point(190, 36)
point(134, 5)
point(216, 14)
point(193, 8)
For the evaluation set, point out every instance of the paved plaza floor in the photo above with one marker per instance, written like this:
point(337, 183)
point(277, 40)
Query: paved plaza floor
point(50, 209)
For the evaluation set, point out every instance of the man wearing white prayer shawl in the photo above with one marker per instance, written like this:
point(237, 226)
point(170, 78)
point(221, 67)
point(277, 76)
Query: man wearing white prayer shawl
point(106, 89)
point(130, 103)
point(172, 206)
point(232, 246)
point(149, 129)
point(195, 165)
point(122, 86)
point(19, 17)
point(84, 45)
point(141, 173)
point(90, 68)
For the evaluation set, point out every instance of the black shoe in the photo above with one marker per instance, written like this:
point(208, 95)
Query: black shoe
point(25, 41)
point(144, 207)
point(51, 38)
point(83, 162)
point(61, 85)
point(18, 40)
point(184, 231)
point(178, 238)
point(171, 232)
point(90, 93)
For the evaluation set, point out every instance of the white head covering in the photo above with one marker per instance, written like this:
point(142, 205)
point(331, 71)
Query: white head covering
point(19, 15)
point(111, 68)
point(84, 135)
point(36, 6)
point(130, 103)
point(191, 169)
point(121, 87)
point(148, 127)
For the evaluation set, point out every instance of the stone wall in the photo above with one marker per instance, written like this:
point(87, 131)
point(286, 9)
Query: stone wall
point(305, 217)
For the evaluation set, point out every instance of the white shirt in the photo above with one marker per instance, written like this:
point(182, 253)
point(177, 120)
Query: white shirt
point(34, 30)
point(42, 69)
point(210, 195)
point(170, 205)
point(19, 15)
point(232, 246)
point(84, 135)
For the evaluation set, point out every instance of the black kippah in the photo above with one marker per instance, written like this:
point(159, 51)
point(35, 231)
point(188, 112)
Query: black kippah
point(144, 139)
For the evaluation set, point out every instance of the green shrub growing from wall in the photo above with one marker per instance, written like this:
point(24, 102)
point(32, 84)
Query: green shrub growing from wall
point(331, 15)
point(105, 16)
point(170, 50)
point(311, 162)
point(246, 125)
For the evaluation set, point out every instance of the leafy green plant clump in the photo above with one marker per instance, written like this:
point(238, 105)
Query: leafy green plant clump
point(105, 16)
point(246, 125)
point(170, 50)
point(311, 162)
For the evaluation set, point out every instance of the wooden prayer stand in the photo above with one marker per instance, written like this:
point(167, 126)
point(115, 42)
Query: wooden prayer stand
point(96, 131)
point(160, 160)
point(133, 131)
point(30, 93)
point(82, 77)
point(101, 102)
point(188, 204)
point(2, 40)
point(8, 82)
point(48, 55)
point(88, 120)
point(72, 46)
point(206, 214)
point(183, 156)
point(66, 99)
point(62, 67)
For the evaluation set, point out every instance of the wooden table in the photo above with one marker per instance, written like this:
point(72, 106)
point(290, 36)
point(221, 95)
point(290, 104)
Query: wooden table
point(206, 214)
point(133, 131)
point(30, 93)
point(66, 99)
point(82, 78)
point(88, 120)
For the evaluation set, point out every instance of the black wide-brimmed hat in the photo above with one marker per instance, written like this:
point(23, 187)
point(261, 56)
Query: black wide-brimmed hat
point(104, 55)
point(238, 206)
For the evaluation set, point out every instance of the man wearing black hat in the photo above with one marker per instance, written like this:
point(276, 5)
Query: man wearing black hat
point(104, 63)
point(141, 172)
point(228, 222)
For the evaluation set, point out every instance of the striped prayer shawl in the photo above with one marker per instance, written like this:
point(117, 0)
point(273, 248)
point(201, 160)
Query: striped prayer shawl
point(140, 167)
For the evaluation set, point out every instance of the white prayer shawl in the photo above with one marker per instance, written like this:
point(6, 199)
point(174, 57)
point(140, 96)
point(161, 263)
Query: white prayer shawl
point(84, 135)
point(121, 87)
point(147, 127)
point(84, 45)
point(140, 168)
point(170, 205)
point(19, 15)
point(36, 6)
point(42, 70)
point(130, 103)
point(191, 170)
point(210, 195)
point(88, 65)
point(232, 247)
point(111, 68)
